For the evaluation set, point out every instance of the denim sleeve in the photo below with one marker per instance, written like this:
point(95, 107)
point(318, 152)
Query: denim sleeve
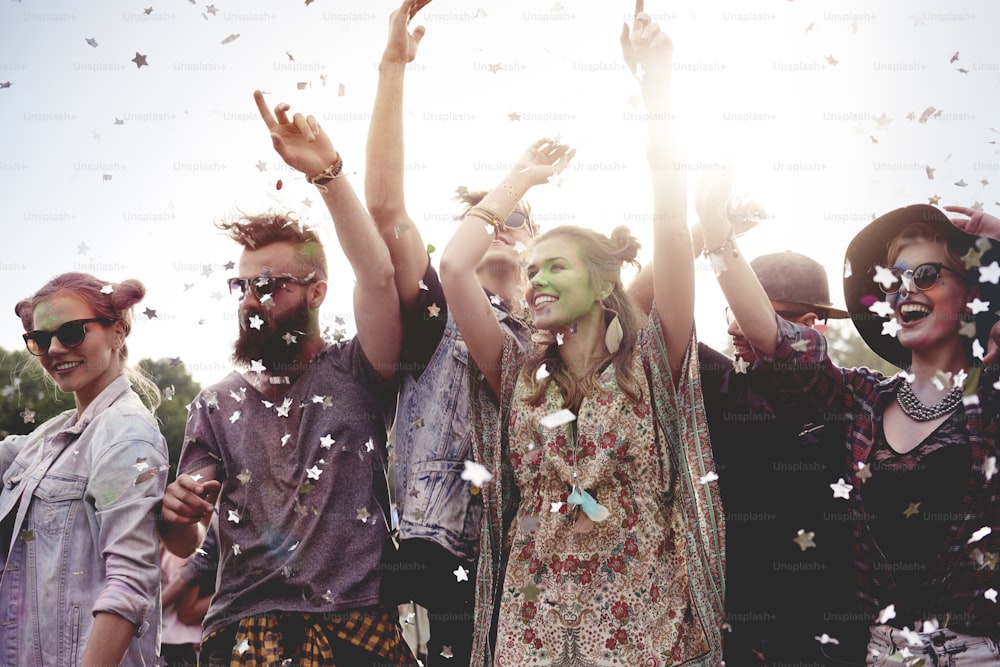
point(9, 447)
point(126, 486)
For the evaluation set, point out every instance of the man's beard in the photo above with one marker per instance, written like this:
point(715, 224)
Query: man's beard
point(269, 344)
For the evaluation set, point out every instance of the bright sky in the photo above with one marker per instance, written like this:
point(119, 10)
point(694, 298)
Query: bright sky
point(817, 103)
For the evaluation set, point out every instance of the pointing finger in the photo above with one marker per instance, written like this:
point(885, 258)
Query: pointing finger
point(265, 113)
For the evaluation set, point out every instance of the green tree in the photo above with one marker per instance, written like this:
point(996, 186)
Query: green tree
point(178, 389)
point(27, 397)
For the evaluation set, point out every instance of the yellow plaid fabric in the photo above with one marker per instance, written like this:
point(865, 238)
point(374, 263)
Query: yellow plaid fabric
point(267, 639)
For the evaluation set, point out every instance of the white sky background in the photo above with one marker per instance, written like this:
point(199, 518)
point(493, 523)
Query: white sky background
point(751, 83)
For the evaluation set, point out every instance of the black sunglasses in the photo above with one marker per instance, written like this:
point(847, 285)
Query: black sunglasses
point(923, 276)
point(70, 334)
point(263, 285)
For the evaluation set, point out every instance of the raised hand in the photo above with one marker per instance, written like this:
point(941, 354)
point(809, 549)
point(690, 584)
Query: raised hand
point(647, 51)
point(300, 141)
point(401, 46)
point(978, 223)
point(544, 159)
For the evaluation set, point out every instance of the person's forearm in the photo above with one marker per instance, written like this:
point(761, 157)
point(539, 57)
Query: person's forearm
point(181, 539)
point(361, 243)
point(109, 638)
point(384, 153)
point(474, 235)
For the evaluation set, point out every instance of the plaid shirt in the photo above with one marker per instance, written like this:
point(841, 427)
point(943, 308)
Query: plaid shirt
point(966, 567)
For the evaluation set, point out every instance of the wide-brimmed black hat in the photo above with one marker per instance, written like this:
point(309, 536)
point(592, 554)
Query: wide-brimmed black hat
point(869, 248)
point(797, 283)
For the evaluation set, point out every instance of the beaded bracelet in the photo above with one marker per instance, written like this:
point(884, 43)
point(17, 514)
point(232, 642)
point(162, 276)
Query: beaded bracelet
point(322, 178)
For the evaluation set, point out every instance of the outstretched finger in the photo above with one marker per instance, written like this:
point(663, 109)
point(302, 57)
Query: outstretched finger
point(964, 210)
point(641, 17)
point(265, 113)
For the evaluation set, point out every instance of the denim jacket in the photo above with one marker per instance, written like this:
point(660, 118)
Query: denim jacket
point(79, 533)
point(433, 441)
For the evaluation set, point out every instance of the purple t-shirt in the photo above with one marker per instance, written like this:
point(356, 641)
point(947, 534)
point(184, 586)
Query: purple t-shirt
point(304, 506)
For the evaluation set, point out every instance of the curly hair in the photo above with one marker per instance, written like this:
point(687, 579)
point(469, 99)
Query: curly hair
point(263, 229)
point(604, 257)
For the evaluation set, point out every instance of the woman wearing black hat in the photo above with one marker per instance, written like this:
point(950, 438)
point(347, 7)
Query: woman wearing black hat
point(920, 472)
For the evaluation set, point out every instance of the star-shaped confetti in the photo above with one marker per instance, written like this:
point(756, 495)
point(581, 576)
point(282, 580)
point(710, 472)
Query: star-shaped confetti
point(882, 122)
point(555, 507)
point(990, 274)
point(530, 591)
point(363, 514)
point(476, 473)
point(233, 418)
point(434, 310)
point(887, 614)
point(233, 516)
point(841, 489)
point(257, 366)
point(28, 415)
point(231, 38)
point(977, 306)
point(884, 277)
point(327, 441)
point(314, 472)
point(826, 639)
point(289, 338)
point(711, 476)
point(891, 328)
point(370, 445)
point(496, 300)
point(91, 41)
point(446, 651)
point(140, 60)
point(244, 476)
point(929, 170)
point(991, 595)
point(912, 508)
point(882, 308)
point(933, 201)
point(285, 406)
point(149, 313)
point(740, 365)
point(990, 467)
point(211, 9)
point(461, 574)
point(864, 472)
point(236, 550)
point(255, 322)
point(805, 539)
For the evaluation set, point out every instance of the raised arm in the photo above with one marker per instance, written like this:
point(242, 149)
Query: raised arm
point(467, 301)
point(384, 157)
point(649, 54)
point(979, 223)
point(747, 298)
point(304, 146)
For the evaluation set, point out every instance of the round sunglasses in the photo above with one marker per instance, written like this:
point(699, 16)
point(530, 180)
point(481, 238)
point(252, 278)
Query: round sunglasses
point(263, 285)
point(70, 334)
point(923, 276)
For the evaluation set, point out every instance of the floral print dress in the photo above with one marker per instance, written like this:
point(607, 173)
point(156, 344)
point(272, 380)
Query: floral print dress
point(581, 593)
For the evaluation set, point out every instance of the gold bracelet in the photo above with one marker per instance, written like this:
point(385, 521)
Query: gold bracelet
point(487, 215)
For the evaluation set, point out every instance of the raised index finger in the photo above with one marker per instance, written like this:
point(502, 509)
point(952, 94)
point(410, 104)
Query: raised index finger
point(265, 113)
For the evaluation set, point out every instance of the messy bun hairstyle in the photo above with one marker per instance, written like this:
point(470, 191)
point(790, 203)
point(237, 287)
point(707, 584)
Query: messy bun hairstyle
point(604, 257)
point(111, 300)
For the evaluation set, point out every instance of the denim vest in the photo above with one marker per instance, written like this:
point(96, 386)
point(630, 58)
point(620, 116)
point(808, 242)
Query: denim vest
point(433, 441)
point(81, 496)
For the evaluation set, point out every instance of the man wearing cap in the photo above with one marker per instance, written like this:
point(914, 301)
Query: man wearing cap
point(788, 576)
point(783, 588)
point(920, 480)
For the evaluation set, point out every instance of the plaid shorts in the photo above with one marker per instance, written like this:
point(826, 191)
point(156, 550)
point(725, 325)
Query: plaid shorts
point(310, 640)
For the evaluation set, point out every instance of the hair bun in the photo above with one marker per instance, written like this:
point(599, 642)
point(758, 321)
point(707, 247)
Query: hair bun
point(626, 246)
point(126, 294)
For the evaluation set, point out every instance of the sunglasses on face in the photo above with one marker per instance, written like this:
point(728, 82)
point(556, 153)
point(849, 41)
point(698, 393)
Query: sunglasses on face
point(518, 219)
point(70, 334)
point(263, 285)
point(923, 276)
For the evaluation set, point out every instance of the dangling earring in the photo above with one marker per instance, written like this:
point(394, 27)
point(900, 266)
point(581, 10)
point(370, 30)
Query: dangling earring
point(613, 336)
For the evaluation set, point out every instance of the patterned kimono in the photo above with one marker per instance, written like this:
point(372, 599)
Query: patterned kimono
point(642, 587)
